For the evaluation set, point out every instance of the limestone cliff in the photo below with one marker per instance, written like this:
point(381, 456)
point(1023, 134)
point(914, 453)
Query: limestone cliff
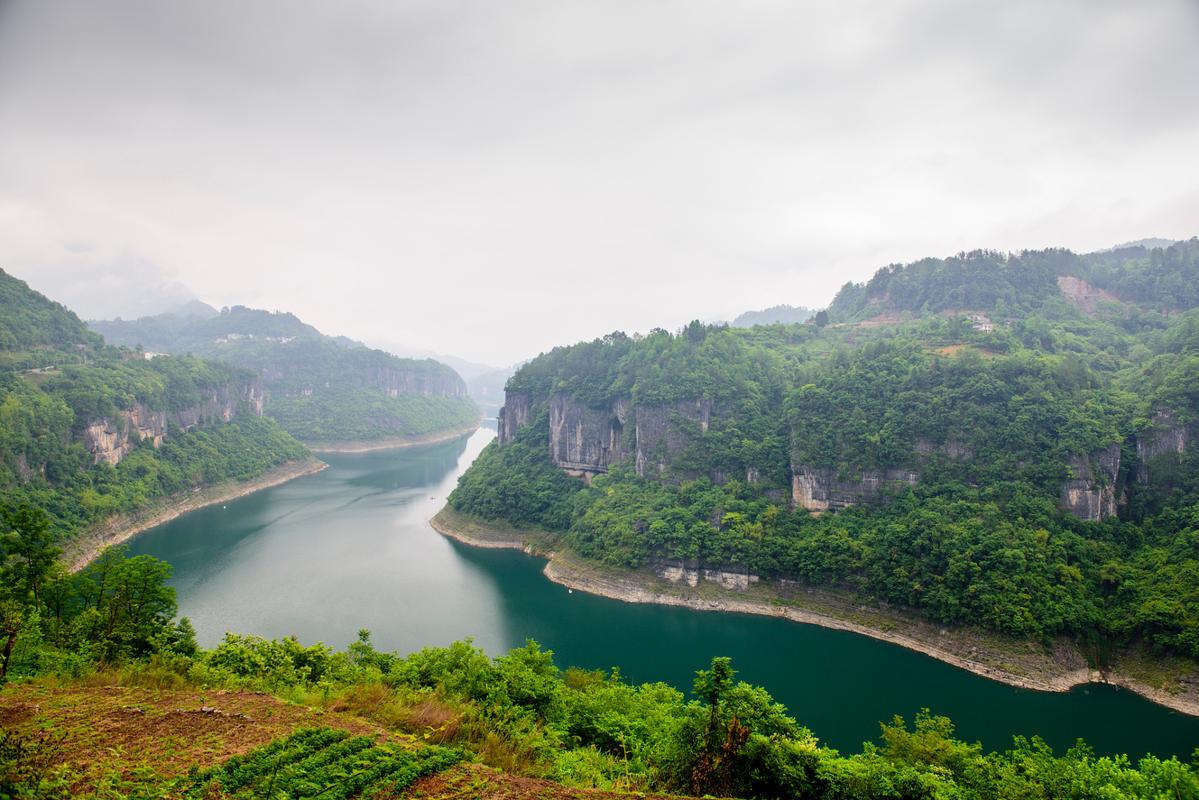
point(516, 413)
point(585, 440)
point(1092, 491)
point(661, 434)
point(1165, 438)
point(822, 489)
point(110, 439)
point(691, 571)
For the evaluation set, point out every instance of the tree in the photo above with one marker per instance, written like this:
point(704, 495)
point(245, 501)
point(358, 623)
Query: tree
point(26, 557)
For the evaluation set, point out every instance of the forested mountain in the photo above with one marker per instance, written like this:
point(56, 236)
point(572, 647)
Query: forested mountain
point(88, 430)
point(969, 438)
point(321, 389)
point(1014, 286)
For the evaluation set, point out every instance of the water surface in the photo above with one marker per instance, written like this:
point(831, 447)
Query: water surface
point(349, 548)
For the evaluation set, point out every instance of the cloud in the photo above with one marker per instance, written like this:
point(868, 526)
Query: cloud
point(494, 179)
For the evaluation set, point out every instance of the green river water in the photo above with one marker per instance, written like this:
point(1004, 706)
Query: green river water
point(349, 548)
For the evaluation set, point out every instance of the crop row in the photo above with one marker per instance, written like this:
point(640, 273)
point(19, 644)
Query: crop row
point(319, 763)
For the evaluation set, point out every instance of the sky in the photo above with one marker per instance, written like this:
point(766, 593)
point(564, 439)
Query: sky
point(491, 179)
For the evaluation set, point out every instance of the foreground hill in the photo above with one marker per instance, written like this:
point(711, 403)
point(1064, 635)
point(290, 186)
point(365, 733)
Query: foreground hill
point(969, 444)
point(326, 391)
point(90, 432)
point(453, 723)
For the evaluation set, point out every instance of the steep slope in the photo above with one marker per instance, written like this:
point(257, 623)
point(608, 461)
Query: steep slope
point(324, 390)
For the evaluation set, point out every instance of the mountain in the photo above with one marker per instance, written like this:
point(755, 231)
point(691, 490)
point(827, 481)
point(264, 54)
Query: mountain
point(963, 442)
point(1156, 243)
point(88, 431)
point(329, 391)
point(1001, 285)
point(775, 315)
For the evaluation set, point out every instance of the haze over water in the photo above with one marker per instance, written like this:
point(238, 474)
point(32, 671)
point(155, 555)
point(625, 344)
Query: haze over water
point(349, 548)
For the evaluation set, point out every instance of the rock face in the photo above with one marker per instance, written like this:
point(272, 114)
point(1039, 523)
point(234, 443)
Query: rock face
point(516, 413)
point(583, 440)
point(394, 382)
point(401, 381)
point(691, 572)
point(1093, 492)
point(660, 438)
point(1167, 437)
point(587, 441)
point(820, 489)
point(1082, 294)
point(111, 439)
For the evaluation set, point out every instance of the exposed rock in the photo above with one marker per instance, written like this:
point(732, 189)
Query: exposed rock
point(691, 572)
point(111, 439)
point(584, 439)
point(1167, 437)
point(659, 439)
point(819, 489)
point(1092, 491)
point(515, 414)
point(1082, 294)
point(403, 381)
point(951, 449)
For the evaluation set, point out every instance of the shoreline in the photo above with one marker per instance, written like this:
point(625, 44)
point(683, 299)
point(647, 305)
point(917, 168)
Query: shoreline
point(1020, 664)
point(84, 549)
point(394, 443)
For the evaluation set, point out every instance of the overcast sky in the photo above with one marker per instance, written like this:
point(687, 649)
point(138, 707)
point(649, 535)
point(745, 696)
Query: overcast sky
point(491, 179)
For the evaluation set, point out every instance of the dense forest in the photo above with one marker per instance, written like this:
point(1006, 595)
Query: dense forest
point(88, 430)
point(112, 625)
point(319, 388)
point(996, 451)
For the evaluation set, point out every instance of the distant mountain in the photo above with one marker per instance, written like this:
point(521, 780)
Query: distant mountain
point(786, 315)
point(1148, 244)
point(322, 389)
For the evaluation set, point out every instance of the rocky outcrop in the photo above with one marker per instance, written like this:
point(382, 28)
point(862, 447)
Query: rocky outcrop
point(1082, 294)
point(1167, 437)
point(660, 438)
point(586, 440)
point(822, 489)
point(516, 413)
point(926, 448)
point(583, 440)
point(691, 572)
point(425, 383)
point(110, 439)
point(1092, 491)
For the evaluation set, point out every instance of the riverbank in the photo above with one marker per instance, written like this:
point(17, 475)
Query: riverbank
point(83, 549)
point(394, 443)
point(1025, 664)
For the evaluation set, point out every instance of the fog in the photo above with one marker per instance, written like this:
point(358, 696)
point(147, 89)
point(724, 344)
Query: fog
point(491, 179)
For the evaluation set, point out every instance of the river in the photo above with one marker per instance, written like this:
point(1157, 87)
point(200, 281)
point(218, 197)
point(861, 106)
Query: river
point(350, 547)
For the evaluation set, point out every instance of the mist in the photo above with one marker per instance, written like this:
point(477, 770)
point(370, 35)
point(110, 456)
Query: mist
point(490, 180)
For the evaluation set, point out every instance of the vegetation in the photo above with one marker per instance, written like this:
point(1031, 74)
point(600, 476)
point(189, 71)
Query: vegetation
point(992, 420)
point(319, 388)
point(113, 624)
point(80, 382)
point(518, 712)
point(320, 762)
